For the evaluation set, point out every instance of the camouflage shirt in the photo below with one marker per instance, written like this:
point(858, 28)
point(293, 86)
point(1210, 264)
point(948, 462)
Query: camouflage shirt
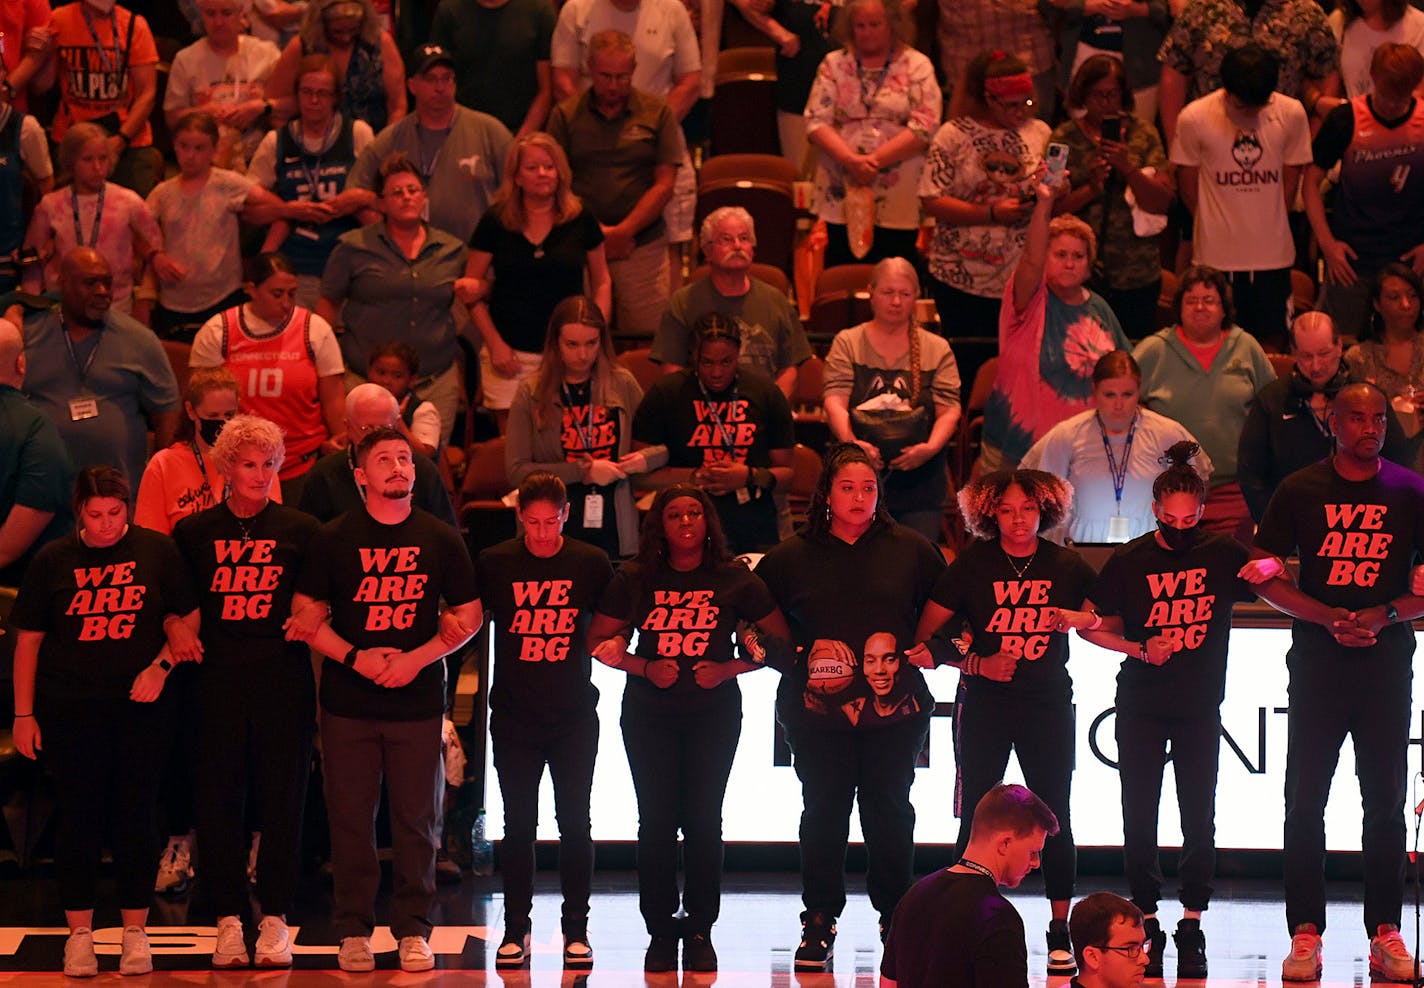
point(1295, 30)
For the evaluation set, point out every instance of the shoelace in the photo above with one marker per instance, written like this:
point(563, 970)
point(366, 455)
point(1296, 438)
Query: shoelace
point(1393, 944)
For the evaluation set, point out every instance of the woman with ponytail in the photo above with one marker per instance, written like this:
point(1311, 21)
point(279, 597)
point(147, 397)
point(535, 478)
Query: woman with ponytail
point(1164, 601)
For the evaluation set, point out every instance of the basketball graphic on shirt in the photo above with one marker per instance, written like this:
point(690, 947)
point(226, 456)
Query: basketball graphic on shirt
point(830, 666)
point(1246, 149)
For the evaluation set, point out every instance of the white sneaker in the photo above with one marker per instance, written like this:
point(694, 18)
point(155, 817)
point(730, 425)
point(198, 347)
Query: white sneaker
point(79, 959)
point(230, 950)
point(274, 943)
point(175, 867)
point(135, 957)
point(356, 954)
point(415, 954)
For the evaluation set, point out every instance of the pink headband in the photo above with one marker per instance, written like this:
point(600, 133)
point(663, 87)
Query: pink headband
point(1018, 86)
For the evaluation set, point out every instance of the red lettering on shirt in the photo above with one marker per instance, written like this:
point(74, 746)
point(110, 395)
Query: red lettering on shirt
point(1355, 554)
point(1181, 607)
point(683, 621)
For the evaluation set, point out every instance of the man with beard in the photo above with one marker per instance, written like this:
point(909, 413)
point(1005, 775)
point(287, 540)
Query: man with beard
point(383, 571)
point(1285, 429)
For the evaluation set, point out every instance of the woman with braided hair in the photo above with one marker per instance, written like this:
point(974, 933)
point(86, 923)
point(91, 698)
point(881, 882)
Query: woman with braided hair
point(1015, 694)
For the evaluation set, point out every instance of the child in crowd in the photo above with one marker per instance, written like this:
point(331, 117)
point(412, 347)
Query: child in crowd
point(394, 366)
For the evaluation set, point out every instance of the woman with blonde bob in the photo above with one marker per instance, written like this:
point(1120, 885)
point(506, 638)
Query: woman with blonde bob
point(543, 247)
point(255, 692)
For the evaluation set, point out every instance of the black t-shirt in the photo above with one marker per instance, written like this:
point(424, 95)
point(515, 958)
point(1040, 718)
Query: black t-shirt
point(1356, 541)
point(987, 948)
point(530, 279)
point(843, 601)
point(245, 586)
point(595, 431)
point(1005, 611)
point(541, 610)
point(796, 75)
point(744, 423)
point(1186, 596)
point(101, 611)
point(384, 584)
point(690, 617)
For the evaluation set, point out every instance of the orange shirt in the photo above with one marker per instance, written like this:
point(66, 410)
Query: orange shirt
point(172, 488)
point(94, 66)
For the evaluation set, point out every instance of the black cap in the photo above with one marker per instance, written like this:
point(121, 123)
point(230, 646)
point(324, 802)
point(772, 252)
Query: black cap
point(429, 56)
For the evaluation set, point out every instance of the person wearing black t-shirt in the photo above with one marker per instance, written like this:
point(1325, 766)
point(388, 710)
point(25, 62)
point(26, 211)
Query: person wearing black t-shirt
point(1015, 694)
point(541, 591)
point(685, 597)
point(255, 693)
point(853, 702)
point(383, 571)
point(1164, 600)
point(1356, 521)
point(955, 927)
point(726, 429)
point(101, 616)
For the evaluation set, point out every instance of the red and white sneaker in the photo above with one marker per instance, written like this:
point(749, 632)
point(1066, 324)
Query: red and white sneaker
point(1389, 957)
point(1303, 963)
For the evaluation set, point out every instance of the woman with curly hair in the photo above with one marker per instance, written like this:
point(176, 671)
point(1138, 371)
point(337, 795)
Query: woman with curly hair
point(855, 708)
point(1015, 695)
point(682, 711)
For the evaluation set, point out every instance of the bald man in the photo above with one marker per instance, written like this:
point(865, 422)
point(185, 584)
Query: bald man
point(331, 488)
point(35, 472)
point(100, 375)
point(1285, 429)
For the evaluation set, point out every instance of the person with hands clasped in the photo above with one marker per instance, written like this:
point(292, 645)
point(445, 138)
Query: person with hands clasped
point(1164, 600)
point(682, 711)
point(102, 616)
point(1356, 521)
point(1015, 694)
point(383, 570)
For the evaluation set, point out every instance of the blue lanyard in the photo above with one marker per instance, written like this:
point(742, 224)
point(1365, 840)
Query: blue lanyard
point(82, 371)
point(98, 215)
point(860, 78)
point(1119, 474)
point(726, 435)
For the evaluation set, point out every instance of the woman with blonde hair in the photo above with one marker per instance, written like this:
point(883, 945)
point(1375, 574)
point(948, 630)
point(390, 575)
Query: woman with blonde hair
point(543, 247)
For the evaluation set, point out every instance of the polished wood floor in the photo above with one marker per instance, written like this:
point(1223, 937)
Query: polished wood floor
point(754, 938)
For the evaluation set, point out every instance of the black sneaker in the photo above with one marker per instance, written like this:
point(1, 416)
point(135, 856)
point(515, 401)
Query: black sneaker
point(513, 950)
point(697, 953)
point(1060, 950)
point(1156, 944)
point(577, 952)
point(661, 956)
point(818, 941)
point(1191, 949)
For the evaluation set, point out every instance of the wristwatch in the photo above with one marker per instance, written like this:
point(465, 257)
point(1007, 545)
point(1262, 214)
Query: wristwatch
point(1391, 613)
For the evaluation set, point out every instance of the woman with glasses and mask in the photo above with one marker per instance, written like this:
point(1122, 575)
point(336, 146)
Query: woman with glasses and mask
point(1164, 601)
point(724, 428)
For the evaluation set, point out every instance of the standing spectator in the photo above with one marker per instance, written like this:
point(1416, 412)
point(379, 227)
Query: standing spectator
point(978, 185)
point(383, 693)
point(1240, 151)
point(1017, 28)
point(305, 163)
point(1378, 209)
point(25, 62)
point(397, 280)
point(24, 162)
point(1204, 372)
point(1127, 33)
point(35, 473)
point(872, 111)
point(223, 73)
point(1105, 174)
point(108, 74)
point(543, 246)
point(365, 57)
point(276, 21)
point(625, 182)
point(801, 30)
point(255, 691)
point(1390, 354)
point(101, 377)
point(458, 152)
point(395, 366)
point(90, 666)
point(574, 418)
point(773, 341)
point(544, 706)
point(90, 211)
point(500, 49)
point(286, 360)
point(1362, 27)
point(682, 709)
point(1052, 331)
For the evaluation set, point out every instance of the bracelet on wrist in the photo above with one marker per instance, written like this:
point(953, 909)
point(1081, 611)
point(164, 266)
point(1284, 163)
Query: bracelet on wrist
point(24, 716)
point(1097, 621)
point(164, 664)
point(350, 659)
point(1142, 651)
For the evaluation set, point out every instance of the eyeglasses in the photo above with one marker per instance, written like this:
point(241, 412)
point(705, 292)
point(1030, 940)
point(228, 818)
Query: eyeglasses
point(306, 93)
point(1132, 951)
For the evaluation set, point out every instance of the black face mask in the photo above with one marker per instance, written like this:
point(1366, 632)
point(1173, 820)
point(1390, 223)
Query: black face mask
point(208, 429)
point(1178, 539)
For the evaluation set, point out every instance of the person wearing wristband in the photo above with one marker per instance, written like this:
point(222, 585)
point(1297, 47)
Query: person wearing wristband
point(1008, 588)
point(1164, 600)
point(101, 617)
point(682, 711)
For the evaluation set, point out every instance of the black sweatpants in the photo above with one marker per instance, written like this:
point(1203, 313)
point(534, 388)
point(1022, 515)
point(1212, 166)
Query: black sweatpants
point(106, 759)
point(1142, 742)
point(255, 731)
point(680, 760)
point(876, 769)
point(522, 747)
point(1365, 693)
point(1262, 301)
point(991, 724)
